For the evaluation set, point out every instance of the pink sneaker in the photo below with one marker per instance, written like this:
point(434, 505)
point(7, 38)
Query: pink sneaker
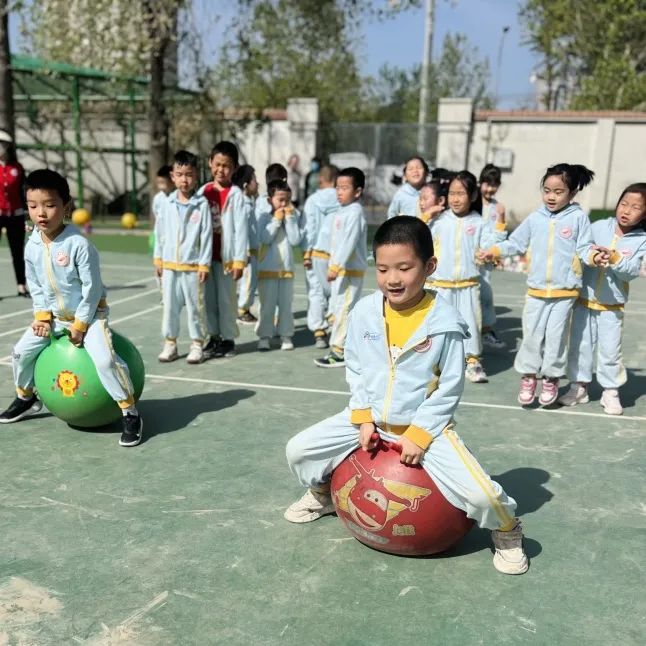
point(549, 391)
point(527, 392)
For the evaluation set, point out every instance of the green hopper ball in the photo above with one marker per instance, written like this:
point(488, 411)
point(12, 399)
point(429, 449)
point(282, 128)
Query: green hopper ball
point(68, 384)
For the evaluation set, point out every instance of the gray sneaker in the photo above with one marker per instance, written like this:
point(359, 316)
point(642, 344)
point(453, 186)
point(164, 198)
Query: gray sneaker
point(509, 556)
point(311, 506)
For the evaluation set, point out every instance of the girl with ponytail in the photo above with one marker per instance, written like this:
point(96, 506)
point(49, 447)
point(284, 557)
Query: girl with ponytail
point(560, 239)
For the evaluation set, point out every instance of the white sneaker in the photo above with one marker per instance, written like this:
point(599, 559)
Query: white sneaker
point(578, 394)
point(509, 556)
point(321, 342)
point(169, 352)
point(475, 373)
point(310, 507)
point(287, 343)
point(195, 354)
point(611, 402)
point(264, 345)
point(491, 341)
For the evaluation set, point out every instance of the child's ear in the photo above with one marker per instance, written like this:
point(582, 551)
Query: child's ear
point(431, 265)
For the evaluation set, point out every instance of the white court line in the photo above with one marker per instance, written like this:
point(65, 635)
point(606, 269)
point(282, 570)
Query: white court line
point(128, 284)
point(318, 391)
point(135, 315)
point(117, 302)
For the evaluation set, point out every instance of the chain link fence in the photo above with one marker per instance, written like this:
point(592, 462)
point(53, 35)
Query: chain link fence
point(380, 150)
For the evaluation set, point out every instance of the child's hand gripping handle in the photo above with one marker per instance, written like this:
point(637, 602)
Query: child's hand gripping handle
point(375, 437)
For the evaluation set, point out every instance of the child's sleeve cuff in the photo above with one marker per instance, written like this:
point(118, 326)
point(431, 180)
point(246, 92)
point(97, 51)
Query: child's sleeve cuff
point(43, 316)
point(203, 268)
point(238, 264)
point(157, 262)
point(501, 226)
point(81, 326)
point(334, 268)
point(419, 436)
point(307, 255)
point(615, 257)
point(361, 416)
point(496, 251)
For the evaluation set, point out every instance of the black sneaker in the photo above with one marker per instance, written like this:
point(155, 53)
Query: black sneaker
point(332, 360)
point(225, 349)
point(247, 318)
point(211, 346)
point(133, 427)
point(20, 408)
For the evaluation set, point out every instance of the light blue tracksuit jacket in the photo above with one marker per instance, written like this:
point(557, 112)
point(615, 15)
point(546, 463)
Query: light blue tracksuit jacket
point(416, 396)
point(64, 280)
point(597, 320)
point(457, 277)
point(405, 202)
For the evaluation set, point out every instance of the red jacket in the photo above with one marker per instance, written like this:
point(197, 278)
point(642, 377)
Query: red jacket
point(11, 199)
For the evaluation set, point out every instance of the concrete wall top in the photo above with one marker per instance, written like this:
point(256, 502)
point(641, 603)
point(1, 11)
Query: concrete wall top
point(559, 115)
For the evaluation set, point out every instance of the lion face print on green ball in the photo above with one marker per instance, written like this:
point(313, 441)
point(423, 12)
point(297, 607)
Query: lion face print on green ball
point(69, 386)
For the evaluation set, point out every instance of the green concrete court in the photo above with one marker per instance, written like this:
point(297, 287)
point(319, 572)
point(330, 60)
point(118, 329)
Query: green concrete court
point(182, 540)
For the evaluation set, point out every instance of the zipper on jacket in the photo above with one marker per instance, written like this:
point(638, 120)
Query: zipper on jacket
point(458, 251)
point(550, 259)
point(52, 281)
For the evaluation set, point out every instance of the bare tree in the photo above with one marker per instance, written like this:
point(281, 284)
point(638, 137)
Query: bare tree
point(6, 90)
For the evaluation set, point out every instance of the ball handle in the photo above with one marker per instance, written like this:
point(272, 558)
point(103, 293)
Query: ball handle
point(395, 446)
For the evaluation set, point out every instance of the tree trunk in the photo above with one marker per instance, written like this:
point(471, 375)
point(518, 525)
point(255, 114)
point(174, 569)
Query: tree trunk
point(6, 90)
point(157, 114)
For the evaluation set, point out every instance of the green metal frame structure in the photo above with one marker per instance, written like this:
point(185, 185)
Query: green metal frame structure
point(78, 92)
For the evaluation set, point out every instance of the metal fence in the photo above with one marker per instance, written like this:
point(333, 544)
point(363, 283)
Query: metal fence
point(380, 150)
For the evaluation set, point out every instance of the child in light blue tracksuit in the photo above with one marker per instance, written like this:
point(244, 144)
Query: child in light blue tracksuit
point(458, 234)
point(318, 210)
point(405, 369)
point(183, 246)
point(230, 250)
point(406, 198)
point(278, 232)
point(493, 212)
point(64, 280)
point(348, 260)
point(597, 320)
point(558, 235)
point(245, 179)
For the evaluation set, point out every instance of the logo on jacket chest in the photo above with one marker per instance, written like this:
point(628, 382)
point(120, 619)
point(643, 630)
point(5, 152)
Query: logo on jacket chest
point(470, 229)
point(626, 253)
point(372, 336)
point(195, 217)
point(62, 259)
point(566, 233)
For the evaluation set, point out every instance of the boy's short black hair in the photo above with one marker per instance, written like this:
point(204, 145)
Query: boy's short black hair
point(356, 175)
point(491, 174)
point(275, 171)
point(226, 148)
point(165, 171)
point(48, 180)
point(243, 175)
point(405, 229)
point(185, 158)
point(277, 185)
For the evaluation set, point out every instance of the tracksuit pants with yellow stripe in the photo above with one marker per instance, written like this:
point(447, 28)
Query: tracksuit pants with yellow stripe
point(318, 294)
point(596, 335)
point(221, 306)
point(248, 283)
point(546, 327)
point(179, 289)
point(275, 294)
point(486, 298)
point(467, 301)
point(346, 291)
point(111, 368)
point(314, 453)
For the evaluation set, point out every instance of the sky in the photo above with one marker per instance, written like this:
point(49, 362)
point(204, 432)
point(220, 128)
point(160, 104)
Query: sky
point(399, 41)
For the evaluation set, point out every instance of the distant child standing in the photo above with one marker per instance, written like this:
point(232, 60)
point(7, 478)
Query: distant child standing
point(319, 209)
point(278, 232)
point(230, 248)
point(165, 187)
point(598, 317)
point(348, 260)
point(431, 201)
point(183, 239)
point(560, 239)
point(64, 278)
point(492, 212)
point(458, 234)
point(406, 199)
point(405, 369)
point(245, 179)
